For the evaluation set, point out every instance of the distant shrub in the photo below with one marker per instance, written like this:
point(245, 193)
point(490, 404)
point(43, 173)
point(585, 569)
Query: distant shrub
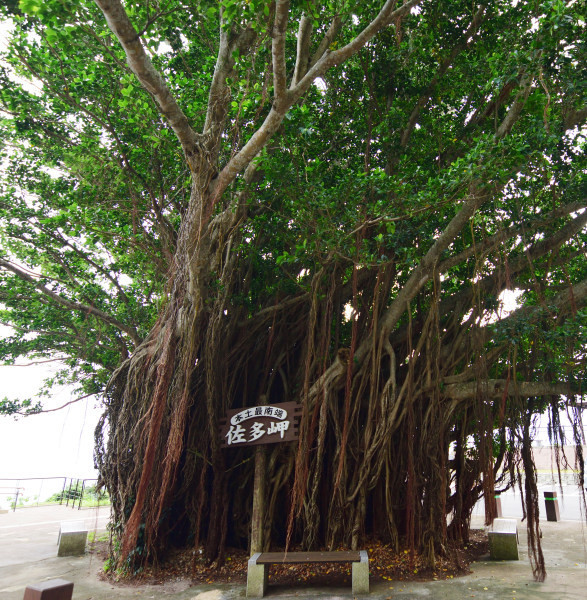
point(74, 493)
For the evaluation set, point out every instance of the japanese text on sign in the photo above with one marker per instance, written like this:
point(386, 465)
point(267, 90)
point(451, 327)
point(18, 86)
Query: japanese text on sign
point(259, 411)
point(237, 433)
point(260, 425)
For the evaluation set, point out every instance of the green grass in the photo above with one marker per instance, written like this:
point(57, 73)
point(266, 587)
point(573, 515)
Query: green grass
point(102, 537)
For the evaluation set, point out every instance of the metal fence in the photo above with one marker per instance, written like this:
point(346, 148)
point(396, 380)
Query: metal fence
point(35, 491)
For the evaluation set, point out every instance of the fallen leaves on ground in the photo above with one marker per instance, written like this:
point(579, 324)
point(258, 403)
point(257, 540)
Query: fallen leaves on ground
point(385, 564)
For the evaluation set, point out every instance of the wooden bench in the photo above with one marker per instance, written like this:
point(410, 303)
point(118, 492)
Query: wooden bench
point(503, 540)
point(258, 568)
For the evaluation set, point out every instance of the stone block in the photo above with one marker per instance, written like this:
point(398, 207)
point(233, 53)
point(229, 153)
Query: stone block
point(72, 539)
point(360, 574)
point(503, 540)
point(256, 577)
point(53, 589)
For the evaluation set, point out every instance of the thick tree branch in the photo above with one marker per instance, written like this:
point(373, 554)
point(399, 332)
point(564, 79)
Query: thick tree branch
point(218, 89)
point(286, 99)
point(243, 158)
point(576, 294)
point(278, 49)
point(326, 42)
point(516, 108)
point(421, 274)
point(303, 49)
point(495, 389)
point(383, 19)
point(496, 282)
point(483, 112)
point(146, 73)
point(492, 242)
point(331, 59)
point(219, 96)
point(70, 305)
point(557, 306)
point(549, 244)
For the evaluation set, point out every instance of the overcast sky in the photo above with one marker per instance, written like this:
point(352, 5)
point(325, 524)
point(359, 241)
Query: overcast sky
point(45, 445)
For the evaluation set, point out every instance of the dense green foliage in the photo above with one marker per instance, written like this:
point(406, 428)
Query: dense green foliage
point(90, 198)
point(343, 243)
point(93, 189)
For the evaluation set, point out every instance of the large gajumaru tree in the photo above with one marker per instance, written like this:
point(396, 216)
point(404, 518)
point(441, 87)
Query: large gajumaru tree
point(212, 205)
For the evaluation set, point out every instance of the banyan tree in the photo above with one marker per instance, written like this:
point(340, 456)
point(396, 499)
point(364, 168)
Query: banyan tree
point(217, 205)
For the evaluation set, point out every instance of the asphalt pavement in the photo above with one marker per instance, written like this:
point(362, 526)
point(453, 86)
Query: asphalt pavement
point(28, 555)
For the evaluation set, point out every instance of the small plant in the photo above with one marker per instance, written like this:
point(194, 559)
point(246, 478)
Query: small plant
point(93, 537)
point(109, 564)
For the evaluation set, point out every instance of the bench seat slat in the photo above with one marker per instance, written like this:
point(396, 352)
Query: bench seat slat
point(292, 558)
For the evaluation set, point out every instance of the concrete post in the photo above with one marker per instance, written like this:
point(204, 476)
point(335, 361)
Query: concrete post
point(360, 574)
point(256, 577)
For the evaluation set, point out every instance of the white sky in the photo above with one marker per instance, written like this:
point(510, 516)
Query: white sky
point(45, 445)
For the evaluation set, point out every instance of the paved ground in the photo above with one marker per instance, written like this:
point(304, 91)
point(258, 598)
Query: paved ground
point(569, 497)
point(28, 548)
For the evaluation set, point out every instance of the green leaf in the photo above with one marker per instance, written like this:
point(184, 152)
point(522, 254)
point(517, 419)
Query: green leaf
point(30, 7)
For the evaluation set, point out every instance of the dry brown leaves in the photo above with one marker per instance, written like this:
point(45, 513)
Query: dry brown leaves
point(385, 565)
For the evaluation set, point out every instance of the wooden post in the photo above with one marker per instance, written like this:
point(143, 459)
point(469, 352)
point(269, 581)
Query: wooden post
point(258, 500)
point(281, 426)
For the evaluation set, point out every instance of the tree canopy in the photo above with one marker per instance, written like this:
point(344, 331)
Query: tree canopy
point(208, 205)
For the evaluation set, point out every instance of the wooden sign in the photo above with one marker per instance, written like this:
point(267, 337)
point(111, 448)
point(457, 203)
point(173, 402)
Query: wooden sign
point(269, 424)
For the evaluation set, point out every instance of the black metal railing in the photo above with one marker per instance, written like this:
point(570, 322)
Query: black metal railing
point(73, 491)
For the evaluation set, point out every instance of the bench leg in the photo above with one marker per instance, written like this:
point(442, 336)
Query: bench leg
point(360, 571)
point(256, 578)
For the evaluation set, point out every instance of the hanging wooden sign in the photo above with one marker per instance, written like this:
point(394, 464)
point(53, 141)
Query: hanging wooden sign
point(269, 424)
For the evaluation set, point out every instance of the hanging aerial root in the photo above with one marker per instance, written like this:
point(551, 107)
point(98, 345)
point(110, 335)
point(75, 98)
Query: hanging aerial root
point(164, 372)
point(532, 510)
